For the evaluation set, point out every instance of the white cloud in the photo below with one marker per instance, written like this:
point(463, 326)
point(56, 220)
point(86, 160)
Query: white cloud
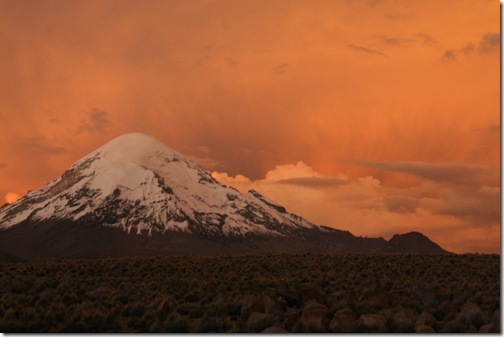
point(240, 182)
point(290, 171)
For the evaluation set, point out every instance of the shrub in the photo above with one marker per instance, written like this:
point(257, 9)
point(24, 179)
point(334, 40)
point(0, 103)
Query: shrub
point(138, 310)
point(163, 309)
point(193, 297)
point(208, 325)
point(192, 293)
point(177, 325)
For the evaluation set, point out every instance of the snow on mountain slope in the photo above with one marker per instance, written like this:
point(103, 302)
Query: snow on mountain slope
point(136, 183)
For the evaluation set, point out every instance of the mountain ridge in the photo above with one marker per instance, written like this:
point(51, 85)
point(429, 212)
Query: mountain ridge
point(138, 185)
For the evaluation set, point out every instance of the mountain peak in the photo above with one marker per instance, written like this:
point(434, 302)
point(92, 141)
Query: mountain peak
point(131, 147)
point(414, 242)
point(135, 140)
point(137, 183)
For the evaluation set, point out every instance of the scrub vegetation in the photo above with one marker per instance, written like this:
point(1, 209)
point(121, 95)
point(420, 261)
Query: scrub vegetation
point(255, 293)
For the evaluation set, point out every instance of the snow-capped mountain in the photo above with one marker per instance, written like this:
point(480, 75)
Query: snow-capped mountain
point(136, 196)
point(138, 184)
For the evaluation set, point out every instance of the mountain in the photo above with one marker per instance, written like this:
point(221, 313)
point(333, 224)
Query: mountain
point(413, 242)
point(136, 196)
point(140, 185)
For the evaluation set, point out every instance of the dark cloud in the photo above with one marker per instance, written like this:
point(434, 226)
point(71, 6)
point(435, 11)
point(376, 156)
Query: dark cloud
point(393, 41)
point(281, 68)
point(55, 120)
point(446, 172)
point(40, 144)
point(397, 16)
point(467, 49)
point(317, 182)
point(232, 62)
point(2, 165)
point(98, 121)
point(494, 128)
point(401, 204)
point(489, 42)
point(481, 208)
point(490, 130)
point(201, 155)
point(206, 162)
point(365, 50)
point(374, 3)
point(449, 55)
point(428, 40)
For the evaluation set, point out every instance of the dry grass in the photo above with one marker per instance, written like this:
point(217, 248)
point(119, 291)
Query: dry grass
point(294, 292)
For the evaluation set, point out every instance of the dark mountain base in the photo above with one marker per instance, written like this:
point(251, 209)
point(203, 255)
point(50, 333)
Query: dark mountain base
point(56, 240)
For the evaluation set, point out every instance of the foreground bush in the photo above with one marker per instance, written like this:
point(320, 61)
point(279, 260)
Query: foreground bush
point(296, 293)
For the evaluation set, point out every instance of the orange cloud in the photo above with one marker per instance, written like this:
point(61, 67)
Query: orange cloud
point(11, 197)
point(290, 171)
point(240, 182)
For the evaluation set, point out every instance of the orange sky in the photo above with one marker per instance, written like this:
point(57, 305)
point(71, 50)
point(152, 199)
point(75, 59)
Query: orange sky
point(376, 117)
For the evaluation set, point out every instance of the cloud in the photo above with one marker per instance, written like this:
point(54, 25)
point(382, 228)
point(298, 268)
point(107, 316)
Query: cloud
point(428, 40)
point(489, 42)
point(11, 197)
point(365, 50)
point(481, 206)
point(290, 171)
point(401, 203)
point(2, 165)
point(393, 41)
point(206, 162)
point(236, 179)
point(298, 174)
point(467, 49)
point(316, 182)
point(203, 149)
point(440, 172)
point(281, 68)
point(374, 3)
point(400, 17)
point(494, 128)
point(42, 145)
point(449, 55)
point(212, 51)
point(98, 121)
point(201, 154)
point(240, 182)
point(232, 62)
